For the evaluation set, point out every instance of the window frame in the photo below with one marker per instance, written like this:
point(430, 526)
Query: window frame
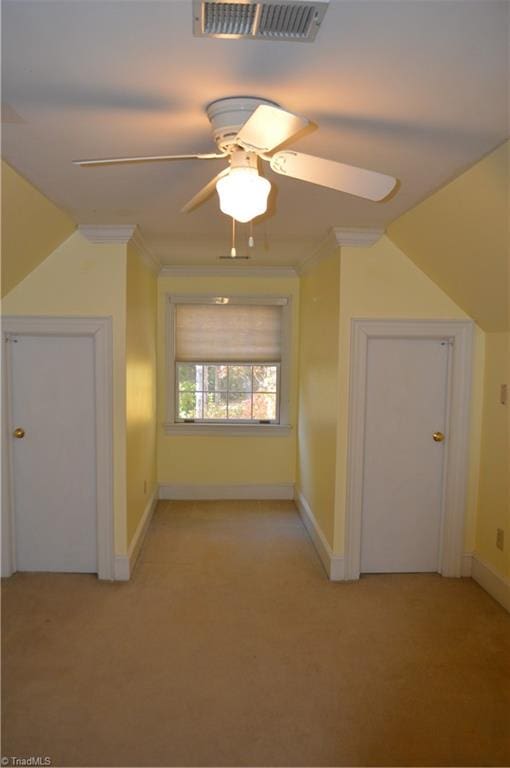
point(173, 425)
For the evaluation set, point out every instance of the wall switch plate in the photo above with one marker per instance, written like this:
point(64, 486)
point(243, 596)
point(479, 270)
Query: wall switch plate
point(503, 394)
point(500, 538)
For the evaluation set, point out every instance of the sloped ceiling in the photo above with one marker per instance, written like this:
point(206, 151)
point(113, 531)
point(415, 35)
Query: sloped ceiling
point(415, 89)
point(32, 227)
point(460, 238)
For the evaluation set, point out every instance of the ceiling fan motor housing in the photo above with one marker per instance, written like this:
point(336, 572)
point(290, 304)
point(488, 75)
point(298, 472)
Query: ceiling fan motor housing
point(240, 158)
point(227, 116)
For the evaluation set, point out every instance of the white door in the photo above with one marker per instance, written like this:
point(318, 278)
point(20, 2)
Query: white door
point(403, 463)
point(53, 459)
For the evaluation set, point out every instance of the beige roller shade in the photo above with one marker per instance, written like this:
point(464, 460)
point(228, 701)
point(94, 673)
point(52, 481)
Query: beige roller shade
point(228, 332)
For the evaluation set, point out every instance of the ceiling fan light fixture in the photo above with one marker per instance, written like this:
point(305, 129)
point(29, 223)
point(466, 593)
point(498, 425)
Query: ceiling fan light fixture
point(243, 194)
point(247, 129)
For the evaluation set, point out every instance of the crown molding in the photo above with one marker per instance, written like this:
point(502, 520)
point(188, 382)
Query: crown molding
point(121, 234)
point(197, 270)
point(326, 248)
point(150, 260)
point(202, 251)
point(338, 237)
point(101, 234)
point(353, 236)
point(124, 233)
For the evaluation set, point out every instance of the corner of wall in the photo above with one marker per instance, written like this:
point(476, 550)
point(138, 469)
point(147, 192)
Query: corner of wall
point(140, 377)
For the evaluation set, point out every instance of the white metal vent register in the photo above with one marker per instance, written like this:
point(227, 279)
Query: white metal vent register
point(292, 20)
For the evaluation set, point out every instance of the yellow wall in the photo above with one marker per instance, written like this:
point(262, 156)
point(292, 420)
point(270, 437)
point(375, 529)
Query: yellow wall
point(459, 238)
point(141, 306)
point(318, 389)
point(32, 227)
point(211, 460)
point(80, 278)
point(382, 282)
point(494, 507)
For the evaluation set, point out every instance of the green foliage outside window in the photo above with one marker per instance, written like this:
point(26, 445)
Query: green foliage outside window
point(212, 392)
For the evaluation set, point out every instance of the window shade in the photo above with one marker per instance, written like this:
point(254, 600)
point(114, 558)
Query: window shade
point(228, 332)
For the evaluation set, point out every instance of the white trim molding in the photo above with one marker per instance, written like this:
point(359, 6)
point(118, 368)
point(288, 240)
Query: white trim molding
point(467, 564)
point(325, 249)
point(121, 234)
point(496, 585)
point(149, 259)
point(175, 492)
point(125, 564)
point(100, 330)
point(219, 270)
point(459, 333)
point(335, 238)
point(233, 430)
point(359, 237)
point(333, 564)
point(122, 570)
point(102, 234)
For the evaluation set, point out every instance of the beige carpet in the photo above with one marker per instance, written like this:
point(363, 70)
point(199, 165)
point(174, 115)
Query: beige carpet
point(230, 647)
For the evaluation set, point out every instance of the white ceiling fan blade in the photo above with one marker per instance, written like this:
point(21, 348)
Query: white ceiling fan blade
point(268, 127)
point(328, 173)
point(150, 159)
point(204, 193)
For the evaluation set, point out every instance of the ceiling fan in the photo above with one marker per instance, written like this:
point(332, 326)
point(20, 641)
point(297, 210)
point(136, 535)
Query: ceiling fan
point(246, 129)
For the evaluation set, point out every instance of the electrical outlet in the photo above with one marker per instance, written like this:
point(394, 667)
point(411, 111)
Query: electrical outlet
point(500, 538)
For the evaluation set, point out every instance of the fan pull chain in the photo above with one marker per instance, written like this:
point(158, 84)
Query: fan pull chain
point(233, 252)
point(251, 241)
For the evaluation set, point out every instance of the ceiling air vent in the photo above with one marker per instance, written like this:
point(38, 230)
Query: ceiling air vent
point(292, 20)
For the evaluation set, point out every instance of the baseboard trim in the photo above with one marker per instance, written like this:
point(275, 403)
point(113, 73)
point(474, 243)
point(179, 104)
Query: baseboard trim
point(121, 570)
point(141, 531)
point(496, 585)
point(467, 564)
point(172, 492)
point(125, 564)
point(333, 564)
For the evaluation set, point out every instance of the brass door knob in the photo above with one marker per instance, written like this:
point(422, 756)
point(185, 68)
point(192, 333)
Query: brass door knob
point(19, 433)
point(438, 437)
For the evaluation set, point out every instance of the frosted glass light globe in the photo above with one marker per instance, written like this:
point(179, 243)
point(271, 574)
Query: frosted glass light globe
point(243, 194)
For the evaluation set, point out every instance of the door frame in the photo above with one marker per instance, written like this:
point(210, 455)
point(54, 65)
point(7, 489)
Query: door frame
point(99, 329)
point(459, 333)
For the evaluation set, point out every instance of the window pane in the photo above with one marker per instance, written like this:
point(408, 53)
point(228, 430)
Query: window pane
point(239, 378)
point(190, 405)
point(189, 377)
point(223, 392)
point(264, 378)
point(215, 406)
point(239, 406)
point(215, 378)
point(264, 406)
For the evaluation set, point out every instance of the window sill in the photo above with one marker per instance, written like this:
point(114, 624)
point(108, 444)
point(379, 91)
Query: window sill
point(238, 430)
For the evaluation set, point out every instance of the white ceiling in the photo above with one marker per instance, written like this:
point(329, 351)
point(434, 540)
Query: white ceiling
point(413, 88)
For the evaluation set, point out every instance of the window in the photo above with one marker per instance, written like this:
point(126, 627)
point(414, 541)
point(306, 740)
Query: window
point(228, 361)
point(213, 392)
